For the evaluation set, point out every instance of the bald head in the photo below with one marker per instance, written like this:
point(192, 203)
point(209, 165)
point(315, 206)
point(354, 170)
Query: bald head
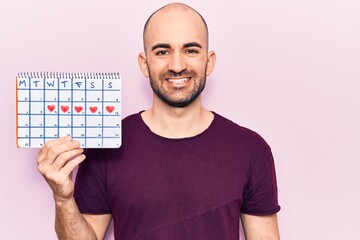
point(171, 13)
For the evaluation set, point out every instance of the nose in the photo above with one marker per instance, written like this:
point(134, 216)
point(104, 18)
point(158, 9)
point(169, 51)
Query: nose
point(177, 63)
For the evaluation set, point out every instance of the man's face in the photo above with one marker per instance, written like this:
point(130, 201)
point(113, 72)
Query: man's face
point(176, 56)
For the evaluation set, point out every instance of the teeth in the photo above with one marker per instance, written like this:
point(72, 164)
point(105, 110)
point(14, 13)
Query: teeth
point(178, 80)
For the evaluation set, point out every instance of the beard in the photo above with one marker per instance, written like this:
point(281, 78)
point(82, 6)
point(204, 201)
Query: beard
point(190, 96)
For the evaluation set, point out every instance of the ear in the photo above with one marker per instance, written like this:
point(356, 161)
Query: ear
point(210, 62)
point(143, 64)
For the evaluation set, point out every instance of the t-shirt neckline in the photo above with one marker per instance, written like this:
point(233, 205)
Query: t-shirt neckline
point(148, 130)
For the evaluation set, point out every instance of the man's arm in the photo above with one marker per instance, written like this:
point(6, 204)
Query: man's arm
point(99, 223)
point(260, 227)
point(71, 224)
point(56, 161)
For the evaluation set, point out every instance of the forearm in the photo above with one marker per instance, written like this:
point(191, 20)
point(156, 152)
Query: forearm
point(260, 227)
point(69, 223)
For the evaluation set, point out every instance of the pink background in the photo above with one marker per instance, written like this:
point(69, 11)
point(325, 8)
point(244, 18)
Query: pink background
point(289, 70)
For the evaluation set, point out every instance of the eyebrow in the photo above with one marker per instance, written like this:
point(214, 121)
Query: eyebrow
point(186, 45)
point(160, 45)
point(192, 44)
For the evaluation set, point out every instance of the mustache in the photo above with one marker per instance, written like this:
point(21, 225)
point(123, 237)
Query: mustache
point(172, 74)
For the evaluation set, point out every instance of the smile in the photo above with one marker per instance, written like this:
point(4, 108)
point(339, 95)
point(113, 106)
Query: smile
point(178, 80)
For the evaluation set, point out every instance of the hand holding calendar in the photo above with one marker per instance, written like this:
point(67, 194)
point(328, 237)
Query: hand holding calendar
point(56, 161)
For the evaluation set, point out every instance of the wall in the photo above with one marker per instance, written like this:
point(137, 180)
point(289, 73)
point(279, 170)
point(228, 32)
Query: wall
point(286, 69)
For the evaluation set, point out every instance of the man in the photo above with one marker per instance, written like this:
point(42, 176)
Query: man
point(183, 172)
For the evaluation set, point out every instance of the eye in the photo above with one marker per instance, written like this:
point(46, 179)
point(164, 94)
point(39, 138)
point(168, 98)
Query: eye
point(192, 51)
point(161, 53)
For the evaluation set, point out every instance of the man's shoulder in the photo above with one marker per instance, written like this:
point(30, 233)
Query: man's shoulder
point(132, 120)
point(238, 132)
point(131, 117)
point(228, 124)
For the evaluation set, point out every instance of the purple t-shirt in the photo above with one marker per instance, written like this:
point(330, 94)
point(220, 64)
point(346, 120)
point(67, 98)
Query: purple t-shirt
point(180, 189)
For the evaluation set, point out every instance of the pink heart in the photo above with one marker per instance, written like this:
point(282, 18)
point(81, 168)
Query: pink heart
point(110, 109)
point(51, 107)
point(93, 109)
point(78, 109)
point(64, 108)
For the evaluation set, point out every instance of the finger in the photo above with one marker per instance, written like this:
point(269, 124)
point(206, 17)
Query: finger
point(45, 165)
point(60, 175)
point(64, 157)
point(48, 145)
point(58, 149)
point(72, 164)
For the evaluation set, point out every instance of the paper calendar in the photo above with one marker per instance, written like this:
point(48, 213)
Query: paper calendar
point(85, 106)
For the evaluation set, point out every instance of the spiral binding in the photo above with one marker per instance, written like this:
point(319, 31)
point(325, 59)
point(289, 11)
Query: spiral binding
point(70, 75)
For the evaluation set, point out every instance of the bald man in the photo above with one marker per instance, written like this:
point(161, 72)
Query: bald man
point(183, 172)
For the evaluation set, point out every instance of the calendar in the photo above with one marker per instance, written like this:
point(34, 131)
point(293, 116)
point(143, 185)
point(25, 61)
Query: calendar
point(85, 106)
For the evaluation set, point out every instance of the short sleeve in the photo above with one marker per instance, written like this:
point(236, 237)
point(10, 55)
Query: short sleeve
point(261, 195)
point(91, 185)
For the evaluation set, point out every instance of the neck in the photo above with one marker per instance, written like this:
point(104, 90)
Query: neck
point(172, 122)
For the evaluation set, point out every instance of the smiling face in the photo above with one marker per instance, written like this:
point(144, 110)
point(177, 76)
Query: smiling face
point(176, 60)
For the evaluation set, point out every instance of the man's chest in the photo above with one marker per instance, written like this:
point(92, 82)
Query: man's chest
point(175, 184)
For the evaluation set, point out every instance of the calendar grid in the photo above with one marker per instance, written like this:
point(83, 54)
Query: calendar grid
point(85, 97)
point(84, 106)
point(102, 110)
point(58, 106)
point(44, 118)
point(29, 112)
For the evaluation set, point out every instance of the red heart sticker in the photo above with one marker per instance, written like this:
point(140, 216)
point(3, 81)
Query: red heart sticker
point(93, 109)
point(64, 108)
point(78, 109)
point(51, 107)
point(110, 109)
